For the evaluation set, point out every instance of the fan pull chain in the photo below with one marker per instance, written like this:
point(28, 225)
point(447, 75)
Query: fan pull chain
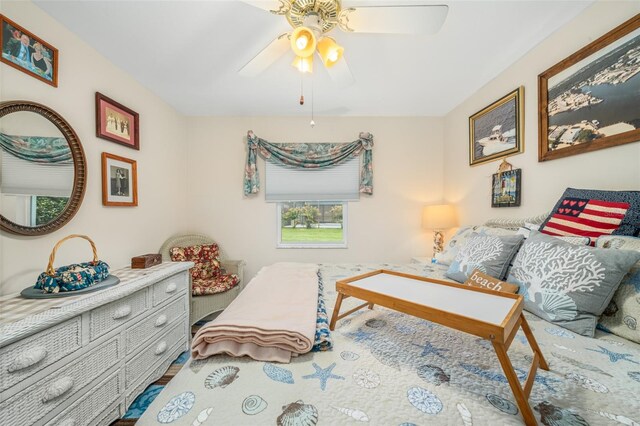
point(301, 89)
point(313, 123)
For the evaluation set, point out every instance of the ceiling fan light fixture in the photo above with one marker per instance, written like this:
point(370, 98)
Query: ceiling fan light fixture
point(303, 42)
point(329, 51)
point(304, 65)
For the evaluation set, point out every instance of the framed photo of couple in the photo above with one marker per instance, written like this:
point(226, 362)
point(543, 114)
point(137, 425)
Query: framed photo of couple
point(28, 53)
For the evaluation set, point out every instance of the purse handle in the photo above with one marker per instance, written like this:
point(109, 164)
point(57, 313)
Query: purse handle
point(52, 257)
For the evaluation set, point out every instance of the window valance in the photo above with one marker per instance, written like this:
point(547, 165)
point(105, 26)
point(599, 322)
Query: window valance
point(308, 155)
point(37, 149)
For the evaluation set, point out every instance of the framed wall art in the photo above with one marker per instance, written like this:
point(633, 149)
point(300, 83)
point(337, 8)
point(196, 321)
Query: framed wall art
point(506, 188)
point(119, 181)
point(497, 130)
point(117, 123)
point(28, 53)
point(591, 100)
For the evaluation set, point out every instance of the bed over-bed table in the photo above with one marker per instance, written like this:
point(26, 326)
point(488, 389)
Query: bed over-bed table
point(388, 368)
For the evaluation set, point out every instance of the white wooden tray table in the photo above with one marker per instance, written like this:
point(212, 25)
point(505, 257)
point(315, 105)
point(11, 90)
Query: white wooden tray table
point(491, 315)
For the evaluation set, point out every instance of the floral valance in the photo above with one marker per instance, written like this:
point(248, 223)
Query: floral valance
point(308, 155)
point(37, 149)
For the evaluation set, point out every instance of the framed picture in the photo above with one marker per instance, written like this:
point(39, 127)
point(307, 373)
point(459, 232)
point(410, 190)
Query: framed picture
point(497, 130)
point(117, 123)
point(591, 100)
point(506, 188)
point(28, 53)
point(119, 181)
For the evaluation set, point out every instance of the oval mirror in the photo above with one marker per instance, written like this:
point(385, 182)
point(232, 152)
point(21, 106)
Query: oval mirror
point(42, 169)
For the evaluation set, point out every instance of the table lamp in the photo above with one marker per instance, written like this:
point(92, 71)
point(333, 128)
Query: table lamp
point(438, 218)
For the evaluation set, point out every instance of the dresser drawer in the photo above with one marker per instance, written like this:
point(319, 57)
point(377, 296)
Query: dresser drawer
point(158, 320)
point(22, 359)
point(169, 287)
point(155, 352)
point(92, 404)
point(151, 375)
point(112, 315)
point(39, 399)
point(108, 416)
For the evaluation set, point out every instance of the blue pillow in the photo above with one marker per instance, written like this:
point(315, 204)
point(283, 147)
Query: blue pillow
point(569, 217)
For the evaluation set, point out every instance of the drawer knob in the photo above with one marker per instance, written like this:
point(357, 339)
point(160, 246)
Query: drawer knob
point(162, 346)
point(27, 359)
point(57, 389)
point(171, 288)
point(122, 312)
point(162, 320)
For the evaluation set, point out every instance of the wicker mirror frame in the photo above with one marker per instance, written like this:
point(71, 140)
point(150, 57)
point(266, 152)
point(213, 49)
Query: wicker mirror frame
point(79, 166)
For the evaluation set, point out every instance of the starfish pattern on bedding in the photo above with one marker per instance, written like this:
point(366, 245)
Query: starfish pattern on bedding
point(614, 356)
point(428, 348)
point(324, 374)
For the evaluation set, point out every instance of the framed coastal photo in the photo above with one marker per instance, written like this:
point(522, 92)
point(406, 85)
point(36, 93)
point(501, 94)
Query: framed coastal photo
point(28, 53)
point(591, 100)
point(506, 188)
point(497, 131)
point(119, 181)
point(117, 123)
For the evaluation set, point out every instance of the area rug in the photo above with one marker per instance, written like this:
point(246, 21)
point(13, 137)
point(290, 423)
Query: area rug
point(387, 368)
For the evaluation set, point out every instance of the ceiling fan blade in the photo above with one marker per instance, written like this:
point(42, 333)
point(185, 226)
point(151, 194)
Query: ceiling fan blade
point(278, 7)
point(422, 19)
point(340, 73)
point(266, 57)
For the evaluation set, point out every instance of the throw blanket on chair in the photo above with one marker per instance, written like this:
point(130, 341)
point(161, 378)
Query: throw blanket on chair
point(273, 319)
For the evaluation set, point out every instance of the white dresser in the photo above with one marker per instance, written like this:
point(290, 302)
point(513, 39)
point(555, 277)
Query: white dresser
point(83, 361)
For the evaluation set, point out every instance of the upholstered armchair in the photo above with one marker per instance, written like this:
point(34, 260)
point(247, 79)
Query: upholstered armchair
point(206, 304)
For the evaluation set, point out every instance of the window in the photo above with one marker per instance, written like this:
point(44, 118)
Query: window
point(312, 224)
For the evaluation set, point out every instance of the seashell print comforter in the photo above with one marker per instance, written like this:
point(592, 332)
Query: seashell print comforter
point(388, 368)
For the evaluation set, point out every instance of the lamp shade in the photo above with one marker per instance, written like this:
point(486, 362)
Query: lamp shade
point(442, 216)
point(303, 64)
point(329, 51)
point(303, 42)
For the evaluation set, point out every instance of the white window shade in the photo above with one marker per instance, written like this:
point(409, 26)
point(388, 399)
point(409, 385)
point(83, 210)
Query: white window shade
point(22, 177)
point(338, 183)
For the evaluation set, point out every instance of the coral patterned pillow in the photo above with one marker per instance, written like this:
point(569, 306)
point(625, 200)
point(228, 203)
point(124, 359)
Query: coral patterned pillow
point(205, 257)
point(491, 254)
point(566, 284)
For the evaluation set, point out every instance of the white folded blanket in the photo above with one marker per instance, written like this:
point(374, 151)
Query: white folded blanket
point(272, 319)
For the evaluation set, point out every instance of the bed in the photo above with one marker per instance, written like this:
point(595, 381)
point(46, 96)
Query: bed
point(387, 368)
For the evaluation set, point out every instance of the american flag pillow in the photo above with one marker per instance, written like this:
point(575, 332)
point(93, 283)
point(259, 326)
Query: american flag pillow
point(585, 217)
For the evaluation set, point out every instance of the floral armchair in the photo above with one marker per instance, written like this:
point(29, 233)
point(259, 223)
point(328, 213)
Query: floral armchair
point(215, 281)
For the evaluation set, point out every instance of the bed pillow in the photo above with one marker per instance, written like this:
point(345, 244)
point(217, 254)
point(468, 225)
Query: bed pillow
point(491, 254)
point(573, 239)
point(453, 246)
point(566, 284)
point(592, 213)
point(622, 316)
point(205, 258)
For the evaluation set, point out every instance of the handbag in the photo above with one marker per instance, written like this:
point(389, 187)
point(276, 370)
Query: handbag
point(72, 277)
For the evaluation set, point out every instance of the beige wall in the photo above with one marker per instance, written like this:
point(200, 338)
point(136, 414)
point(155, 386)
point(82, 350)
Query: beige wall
point(119, 232)
point(385, 227)
point(543, 183)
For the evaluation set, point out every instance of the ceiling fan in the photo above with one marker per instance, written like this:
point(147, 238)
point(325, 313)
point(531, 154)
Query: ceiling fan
point(313, 20)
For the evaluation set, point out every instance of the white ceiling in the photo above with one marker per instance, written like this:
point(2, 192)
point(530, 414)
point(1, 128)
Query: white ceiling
point(189, 52)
